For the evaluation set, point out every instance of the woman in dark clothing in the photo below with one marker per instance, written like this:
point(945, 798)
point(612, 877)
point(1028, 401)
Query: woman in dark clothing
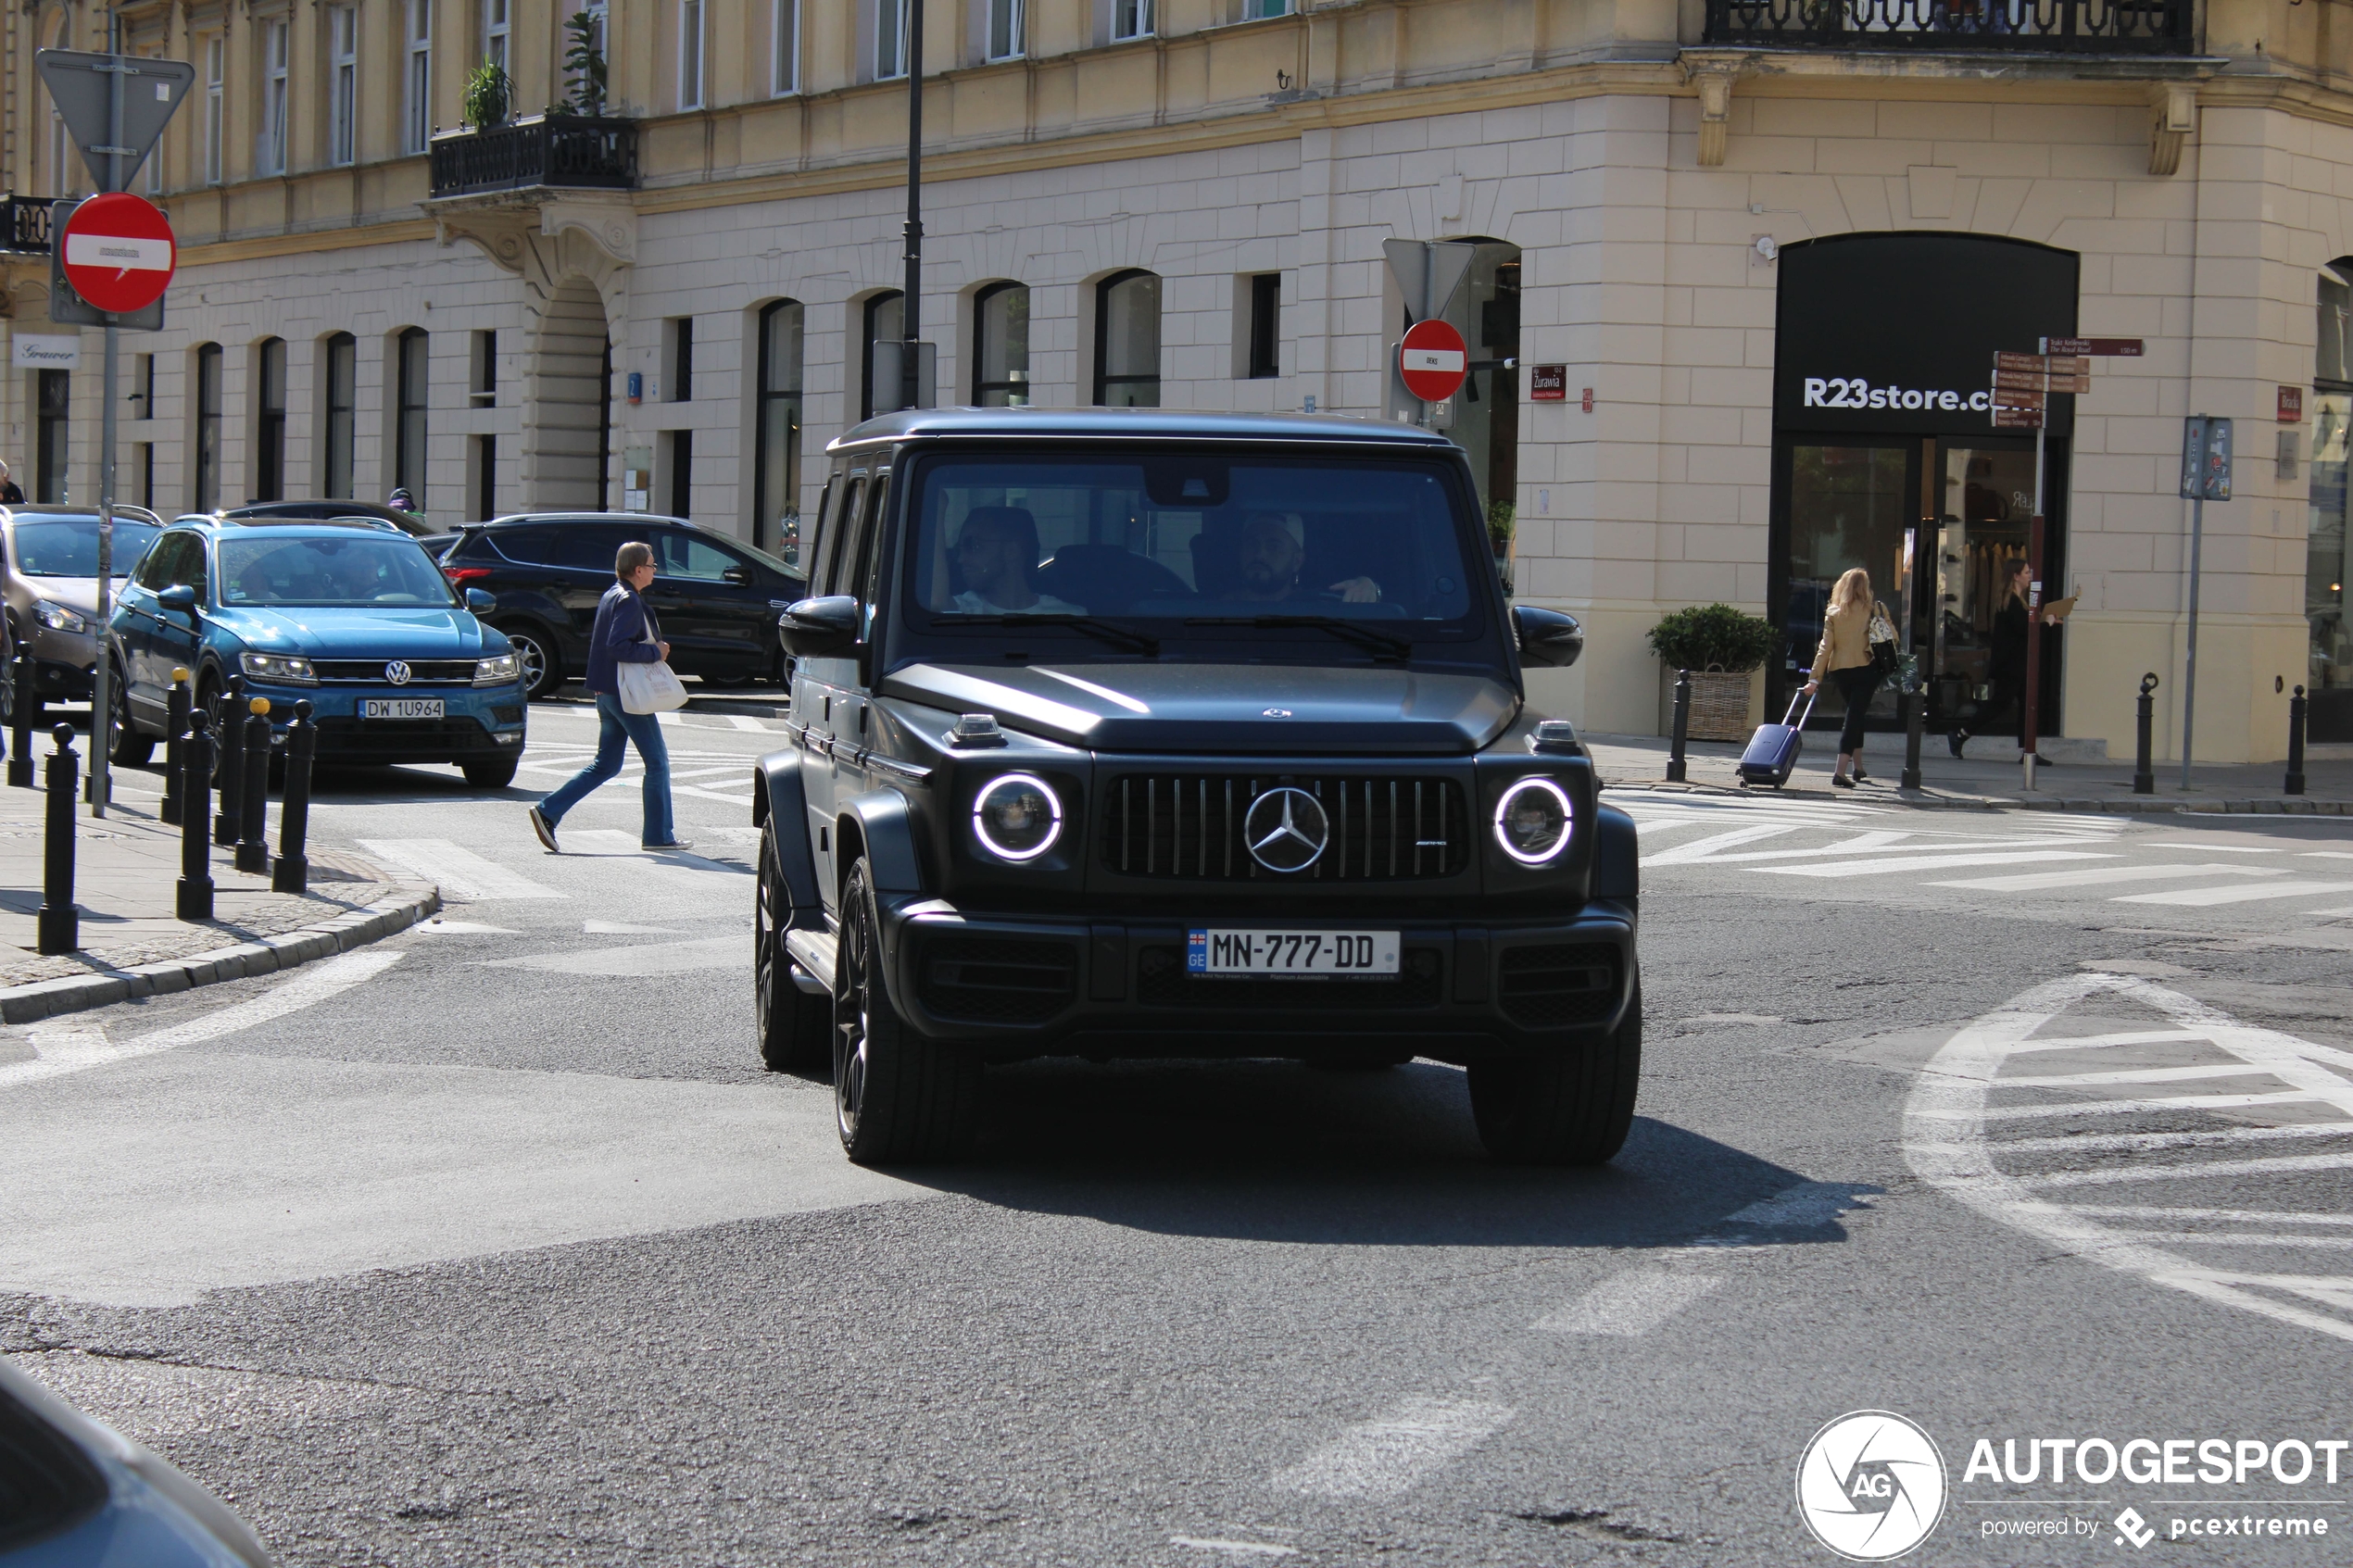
point(9, 495)
point(626, 632)
point(2008, 668)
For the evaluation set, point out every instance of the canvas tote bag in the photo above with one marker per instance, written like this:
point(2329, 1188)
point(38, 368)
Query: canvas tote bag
point(649, 689)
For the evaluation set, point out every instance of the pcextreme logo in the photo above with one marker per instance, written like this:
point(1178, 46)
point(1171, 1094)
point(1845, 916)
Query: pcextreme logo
point(1871, 1485)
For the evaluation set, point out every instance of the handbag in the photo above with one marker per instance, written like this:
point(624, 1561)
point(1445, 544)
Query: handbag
point(1886, 658)
point(649, 689)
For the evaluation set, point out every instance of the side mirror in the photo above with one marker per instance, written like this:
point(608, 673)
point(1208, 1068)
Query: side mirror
point(738, 575)
point(482, 601)
point(815, 627)
point(179, 596)
point(1547, 637)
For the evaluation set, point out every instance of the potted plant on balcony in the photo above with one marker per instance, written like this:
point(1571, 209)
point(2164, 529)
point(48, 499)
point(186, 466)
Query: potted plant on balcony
point(490, 96)
point(1720, 646)
point(586, 61)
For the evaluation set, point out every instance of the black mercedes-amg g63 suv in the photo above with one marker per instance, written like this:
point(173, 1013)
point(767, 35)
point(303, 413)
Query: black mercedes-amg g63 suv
point(1140, 732)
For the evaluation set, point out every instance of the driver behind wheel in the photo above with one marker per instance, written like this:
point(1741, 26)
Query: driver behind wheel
point(1269, 555)
point(996, 552)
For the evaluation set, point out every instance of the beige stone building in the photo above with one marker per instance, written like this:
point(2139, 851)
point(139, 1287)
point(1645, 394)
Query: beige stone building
point(1778, 240)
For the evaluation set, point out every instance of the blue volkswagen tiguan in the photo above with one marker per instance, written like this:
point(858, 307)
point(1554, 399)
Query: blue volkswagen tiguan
point(350, 613)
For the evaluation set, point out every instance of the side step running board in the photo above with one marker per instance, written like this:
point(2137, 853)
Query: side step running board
point(813, 955)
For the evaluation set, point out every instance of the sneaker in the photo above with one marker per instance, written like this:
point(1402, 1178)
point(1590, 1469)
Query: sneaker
point(546, 830)
point(674, 843)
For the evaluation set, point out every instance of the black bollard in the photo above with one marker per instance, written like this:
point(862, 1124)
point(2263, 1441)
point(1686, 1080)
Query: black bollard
point(2144, 768)
point(228, 822)
point(292, 871)
point(196, 852)
point(2294, 744)
point(60, 924)
point(175, 724)
point(1915, 727)
point(20, 758)
point(252, 848)
point(1682, 726)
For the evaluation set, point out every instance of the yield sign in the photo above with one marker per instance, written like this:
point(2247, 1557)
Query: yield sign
point(118, 253)
point(1432, 360)
point(82, 85)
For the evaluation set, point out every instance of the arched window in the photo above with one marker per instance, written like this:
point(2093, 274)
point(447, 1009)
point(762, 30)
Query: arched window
point(885, 323)
point(339, 406)
point(409, 428)
point(207, 427)
point(1128, 340)
point(1000, 346)
point(776, 447)
point(270, 420)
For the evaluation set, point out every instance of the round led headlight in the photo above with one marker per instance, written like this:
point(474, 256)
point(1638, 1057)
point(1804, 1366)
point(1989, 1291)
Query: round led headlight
point(1017, 817)
point(1532, 821)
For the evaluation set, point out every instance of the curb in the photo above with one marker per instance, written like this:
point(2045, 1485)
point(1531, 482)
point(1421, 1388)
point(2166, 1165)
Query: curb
point(47, 999)
point(2129, 806)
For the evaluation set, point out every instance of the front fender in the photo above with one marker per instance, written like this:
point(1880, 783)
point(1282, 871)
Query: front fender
point(1617, 855)
point(776, 792)
point(887, 829)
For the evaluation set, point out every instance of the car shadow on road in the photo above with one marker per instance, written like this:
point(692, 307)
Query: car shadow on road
point(1278, 1151)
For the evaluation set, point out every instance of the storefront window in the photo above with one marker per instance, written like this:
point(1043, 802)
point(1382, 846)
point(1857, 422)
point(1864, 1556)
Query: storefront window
point(2326, 556)
point(1846, 509)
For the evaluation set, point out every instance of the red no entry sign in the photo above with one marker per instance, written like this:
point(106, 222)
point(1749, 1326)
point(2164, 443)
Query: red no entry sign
point(1433, 360)
point(118, 252)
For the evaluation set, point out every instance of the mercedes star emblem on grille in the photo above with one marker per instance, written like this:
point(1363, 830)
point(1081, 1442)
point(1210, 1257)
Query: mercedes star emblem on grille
point(1286, 830)
point(397, 671)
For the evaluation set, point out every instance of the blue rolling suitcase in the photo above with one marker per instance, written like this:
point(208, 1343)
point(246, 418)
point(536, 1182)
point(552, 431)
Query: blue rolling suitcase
point(1773, 750)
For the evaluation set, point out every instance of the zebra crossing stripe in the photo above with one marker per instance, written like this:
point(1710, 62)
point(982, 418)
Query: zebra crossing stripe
point(2094, 875)
point(1932, 863)
point(459, 873)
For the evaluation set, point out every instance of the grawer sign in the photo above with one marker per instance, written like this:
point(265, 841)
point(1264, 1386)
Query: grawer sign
point(1890, 334)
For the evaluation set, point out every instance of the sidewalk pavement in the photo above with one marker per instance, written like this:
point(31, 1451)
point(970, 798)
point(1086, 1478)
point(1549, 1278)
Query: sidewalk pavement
point(1991, 777)
point(126, 877)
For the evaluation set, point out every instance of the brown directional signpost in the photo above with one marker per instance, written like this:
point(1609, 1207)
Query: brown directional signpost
point(2023, 386)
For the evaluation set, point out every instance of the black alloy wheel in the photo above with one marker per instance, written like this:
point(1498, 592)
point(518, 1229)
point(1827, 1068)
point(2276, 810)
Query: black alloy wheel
point(1573, 1106)
point(795, 1028)
point(898, 1097)
point(543, 669)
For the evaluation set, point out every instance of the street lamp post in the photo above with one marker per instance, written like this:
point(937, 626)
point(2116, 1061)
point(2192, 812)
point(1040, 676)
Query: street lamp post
point(910, 299)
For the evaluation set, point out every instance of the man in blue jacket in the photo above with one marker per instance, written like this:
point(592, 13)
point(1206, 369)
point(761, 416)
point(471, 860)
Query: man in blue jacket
point(625, 632)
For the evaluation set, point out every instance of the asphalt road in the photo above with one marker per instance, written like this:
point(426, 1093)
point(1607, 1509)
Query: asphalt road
point(495, 1245)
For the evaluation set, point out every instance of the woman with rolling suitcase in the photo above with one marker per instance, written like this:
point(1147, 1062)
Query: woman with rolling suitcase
point(1847, 658)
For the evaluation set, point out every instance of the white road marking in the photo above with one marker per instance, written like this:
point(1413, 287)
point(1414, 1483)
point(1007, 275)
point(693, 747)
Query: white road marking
point(1386, 1458)
point(1631, 1304)
point(2092, 876)
point(2225, 1238)
point(2203, 897)
point(2154, 1171)
point(653, 958)
point(745, 721)
point(1705, 848)
point(2171, 1102)
point(1859, 844)
point(462, 928)
point(459, 873)
point(2179, 1140)
point(616, 928)
point(79, 1044)
point(2247, 1216)
point(1946, 1143)
point(1239, 1548)
point(1805, 1206)
point(2325, 855)
point(2218, 849)
point(1930, 863)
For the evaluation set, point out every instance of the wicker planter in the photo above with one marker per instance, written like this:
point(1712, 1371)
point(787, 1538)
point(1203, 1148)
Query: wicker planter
point(1720, 705)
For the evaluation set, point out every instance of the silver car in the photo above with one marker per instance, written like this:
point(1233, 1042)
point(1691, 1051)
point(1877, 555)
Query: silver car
point(49, 578)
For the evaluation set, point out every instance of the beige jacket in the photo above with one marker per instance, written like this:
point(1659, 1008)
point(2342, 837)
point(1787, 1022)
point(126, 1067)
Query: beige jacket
point(1847, 641)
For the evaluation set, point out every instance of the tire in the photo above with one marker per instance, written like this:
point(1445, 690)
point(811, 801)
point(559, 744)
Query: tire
point(897, 1097)
point(543, 667)
point(1573, 1108)
point(131, 748)
point(795, 1029)
point(497, 773)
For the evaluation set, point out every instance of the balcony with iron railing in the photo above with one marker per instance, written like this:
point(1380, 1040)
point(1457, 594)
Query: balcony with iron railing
point(591, 153)
point(24, 225)
point(2063, 27)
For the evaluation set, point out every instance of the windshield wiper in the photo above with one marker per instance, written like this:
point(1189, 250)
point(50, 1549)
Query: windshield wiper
point(1101, 631)
point(1381, 643)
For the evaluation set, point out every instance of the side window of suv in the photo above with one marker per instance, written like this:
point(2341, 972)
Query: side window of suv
point(589, 548)
point(678, 553)
point(525, 546)
point(839, 526)
point(155, 572)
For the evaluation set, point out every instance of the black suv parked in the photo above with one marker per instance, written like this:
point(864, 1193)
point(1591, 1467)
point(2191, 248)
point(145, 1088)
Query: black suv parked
point(717, 597)
point(409, 523)
point(1150, 734)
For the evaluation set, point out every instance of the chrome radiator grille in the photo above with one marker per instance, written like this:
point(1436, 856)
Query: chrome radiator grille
point(1189, 826)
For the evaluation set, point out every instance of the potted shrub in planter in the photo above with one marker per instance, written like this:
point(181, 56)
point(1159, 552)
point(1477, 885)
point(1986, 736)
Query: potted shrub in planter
point(1720, 646)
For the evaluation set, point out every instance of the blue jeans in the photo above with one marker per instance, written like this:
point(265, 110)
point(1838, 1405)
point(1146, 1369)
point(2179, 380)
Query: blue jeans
point(616, 730)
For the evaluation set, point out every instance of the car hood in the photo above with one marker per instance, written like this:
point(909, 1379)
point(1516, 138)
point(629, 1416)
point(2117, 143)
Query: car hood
point(326, 631)
point(75, 592)
point(1225, 707)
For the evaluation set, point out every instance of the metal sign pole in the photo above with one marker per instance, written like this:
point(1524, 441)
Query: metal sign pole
point(910, 297)
point(2189, 669)
point(2030, 697)
point(101, 699)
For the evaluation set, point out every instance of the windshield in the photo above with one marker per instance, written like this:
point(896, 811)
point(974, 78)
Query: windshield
point(1205, 537)
point(62, 546)
point(363, 568)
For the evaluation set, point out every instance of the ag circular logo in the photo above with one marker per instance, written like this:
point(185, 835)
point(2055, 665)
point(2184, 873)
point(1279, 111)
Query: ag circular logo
point(1286, 830)
point(1871, 1485)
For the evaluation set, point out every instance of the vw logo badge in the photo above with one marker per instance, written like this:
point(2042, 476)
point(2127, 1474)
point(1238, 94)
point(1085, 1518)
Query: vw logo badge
point(1286, 830)
point(1274, 713)
point(397, 671)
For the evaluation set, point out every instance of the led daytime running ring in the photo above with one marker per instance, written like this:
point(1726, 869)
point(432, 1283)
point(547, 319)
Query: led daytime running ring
point(1053, 806)
point(1568, 820)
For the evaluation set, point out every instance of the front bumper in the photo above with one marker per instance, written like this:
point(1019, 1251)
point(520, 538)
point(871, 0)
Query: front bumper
point(1020, 986)
point(477, 723)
